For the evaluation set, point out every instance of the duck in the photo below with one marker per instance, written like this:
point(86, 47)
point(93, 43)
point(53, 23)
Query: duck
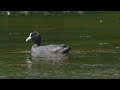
point(50, 50)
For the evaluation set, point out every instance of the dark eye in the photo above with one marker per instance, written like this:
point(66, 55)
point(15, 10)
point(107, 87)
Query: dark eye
point(33, 34)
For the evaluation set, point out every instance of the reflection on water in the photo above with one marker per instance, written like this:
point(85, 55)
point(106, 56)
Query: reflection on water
point(51, 60)
point(100, 63)
point(77, 65)
point(57, 58)
point(95, 46)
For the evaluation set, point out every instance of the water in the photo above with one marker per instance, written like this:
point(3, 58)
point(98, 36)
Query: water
point(95, 52)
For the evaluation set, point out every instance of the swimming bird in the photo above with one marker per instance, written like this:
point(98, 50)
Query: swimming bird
point(51, 50)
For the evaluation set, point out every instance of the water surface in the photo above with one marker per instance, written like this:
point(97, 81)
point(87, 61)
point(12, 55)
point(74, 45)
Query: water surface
point(95, 52)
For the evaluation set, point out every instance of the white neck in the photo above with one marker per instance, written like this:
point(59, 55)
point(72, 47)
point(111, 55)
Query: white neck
point(35, 46)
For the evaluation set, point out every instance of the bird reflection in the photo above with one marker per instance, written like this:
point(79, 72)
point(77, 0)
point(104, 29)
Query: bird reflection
point(34, 60)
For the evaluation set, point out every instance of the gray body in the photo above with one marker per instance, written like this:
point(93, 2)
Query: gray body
point(49, 50)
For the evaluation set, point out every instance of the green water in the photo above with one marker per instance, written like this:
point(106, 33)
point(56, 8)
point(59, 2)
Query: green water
point(95, 52)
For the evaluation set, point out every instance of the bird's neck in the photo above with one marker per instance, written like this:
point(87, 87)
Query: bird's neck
point(38, 44)
point(35, 46)
point(37, 41)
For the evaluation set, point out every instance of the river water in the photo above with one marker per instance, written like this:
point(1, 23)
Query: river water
point(95, 44)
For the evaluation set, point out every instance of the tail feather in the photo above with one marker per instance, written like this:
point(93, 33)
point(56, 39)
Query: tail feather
point(66, 50)
point(63, 45)
point(61, 49)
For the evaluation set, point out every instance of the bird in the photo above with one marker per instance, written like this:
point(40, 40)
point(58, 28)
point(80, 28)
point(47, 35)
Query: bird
point(50, 50)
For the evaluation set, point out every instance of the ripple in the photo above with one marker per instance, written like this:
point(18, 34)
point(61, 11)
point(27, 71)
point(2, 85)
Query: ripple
point(22, 52)
point(93, 51)
point(14, 33)
point(88, 36)
point(25, 51)
point(101, 44)
point(53, 58)
point(101, 65)
point(117, 47)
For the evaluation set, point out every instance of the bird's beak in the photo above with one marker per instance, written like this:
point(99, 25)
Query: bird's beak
point(29, 38)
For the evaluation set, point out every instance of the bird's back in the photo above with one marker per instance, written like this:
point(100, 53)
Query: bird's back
point(50, 50)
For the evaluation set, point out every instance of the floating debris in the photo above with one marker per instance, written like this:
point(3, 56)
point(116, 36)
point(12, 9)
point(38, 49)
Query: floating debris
point(80, 12)
point(24, 12)
point(101, 21)
point(8, 13)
